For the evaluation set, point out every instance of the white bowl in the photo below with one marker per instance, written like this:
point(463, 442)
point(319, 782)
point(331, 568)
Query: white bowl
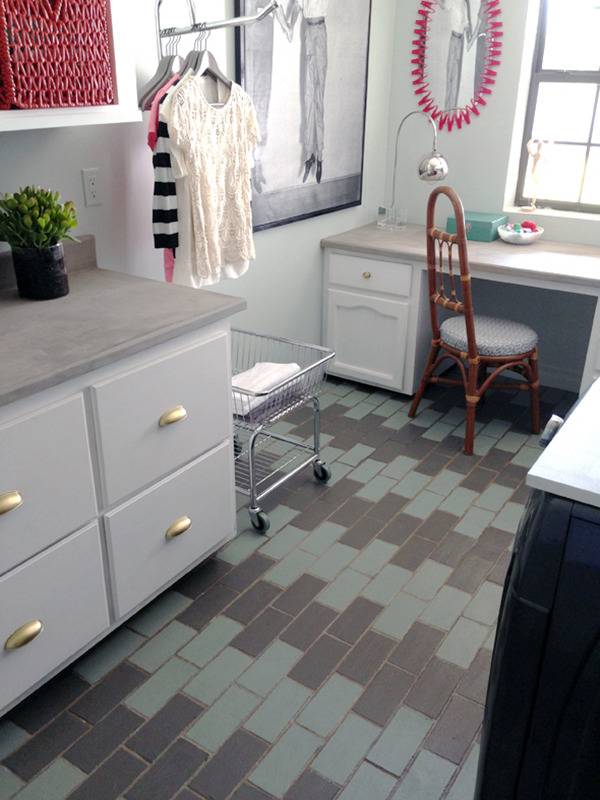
point(524, 237)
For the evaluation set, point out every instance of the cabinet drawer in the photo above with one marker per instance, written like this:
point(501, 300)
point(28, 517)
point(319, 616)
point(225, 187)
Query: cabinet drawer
point(64, 589)
point(135, 449)
point(45, 463)
point(371, 275)
point(143, 555)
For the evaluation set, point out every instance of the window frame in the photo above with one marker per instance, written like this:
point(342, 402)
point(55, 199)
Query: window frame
point(540, 75)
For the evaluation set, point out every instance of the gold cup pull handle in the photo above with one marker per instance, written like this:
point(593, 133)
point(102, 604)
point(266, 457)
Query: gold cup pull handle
point(9, 501)
point(24, 635)
point(367, 275)
point(178, 528)
point(173, 415)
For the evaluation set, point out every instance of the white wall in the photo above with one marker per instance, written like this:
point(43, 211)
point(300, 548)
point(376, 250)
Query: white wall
point(483, 158)
point(283, 287)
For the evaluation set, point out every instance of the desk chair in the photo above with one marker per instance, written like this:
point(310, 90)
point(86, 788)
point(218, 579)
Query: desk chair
point(475, 343)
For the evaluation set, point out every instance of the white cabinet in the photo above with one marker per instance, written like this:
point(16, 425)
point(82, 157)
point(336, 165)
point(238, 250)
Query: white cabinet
point(73, 563)
point(375, 318)
point(52, 607)
point(365, 332)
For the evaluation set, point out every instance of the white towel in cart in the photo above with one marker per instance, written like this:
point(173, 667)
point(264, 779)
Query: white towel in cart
point(262, 377)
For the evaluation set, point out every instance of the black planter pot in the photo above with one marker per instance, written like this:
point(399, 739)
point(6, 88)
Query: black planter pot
point(40, 273)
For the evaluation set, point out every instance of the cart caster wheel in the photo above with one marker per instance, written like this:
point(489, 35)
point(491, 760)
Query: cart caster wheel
point(322, 472)
point(260, 521)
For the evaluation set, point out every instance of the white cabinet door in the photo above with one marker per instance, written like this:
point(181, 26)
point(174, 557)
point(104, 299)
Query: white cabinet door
point(170, 527)
point(369, 335)
point(50, 608)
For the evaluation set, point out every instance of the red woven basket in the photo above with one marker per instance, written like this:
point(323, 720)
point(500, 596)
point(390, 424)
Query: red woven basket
point(55, 53)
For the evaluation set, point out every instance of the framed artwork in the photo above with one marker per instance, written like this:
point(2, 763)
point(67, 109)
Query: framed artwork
point(306, 69)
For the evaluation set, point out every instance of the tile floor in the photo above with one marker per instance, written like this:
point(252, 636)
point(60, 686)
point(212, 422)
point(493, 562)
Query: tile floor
point(344, 656)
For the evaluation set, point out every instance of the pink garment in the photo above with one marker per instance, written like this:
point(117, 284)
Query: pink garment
point(155, 109)
point(169, 264)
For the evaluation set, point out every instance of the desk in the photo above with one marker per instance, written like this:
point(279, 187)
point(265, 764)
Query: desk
point(376, 313)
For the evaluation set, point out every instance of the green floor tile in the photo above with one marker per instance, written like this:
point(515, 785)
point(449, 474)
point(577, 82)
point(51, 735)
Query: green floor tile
point(286, 761)
point(208, 644)
point(438, 432)
point(353, 398)
point(426, 418)
point(386, 585)
point(330, 705)
point(374, 557)
point(330, 454)
point(369, 783)
point(290, 568)
point(400, 741)
point(284, 541)
point(9, 784)
point(243, 545)
point(359, 411)
point(483, 445)
point(397, 421)
point(496, 428)
point(398, 617)
point(428, 580)
point(512, 442)
point(459, 501)
point(510, 516)
point(322, 538)
point(356, 454)
point(54, 783)
point(152, 695)
point(445, 481)
point(376, 489)
point(423, 505)
point(280, 517)
point(463, 642)
point(160, 611)
point(162, 646)
point(217, 676)
point(332, 562)
point(426, 779)
point(399, 467)
point(494, 497)
point(411, 485)
point(346, 748)
point(223, 718)
point(343, 590)
point(11, 737)
point(475, 521)
point(106, 655)
point(526, 457)
point(338, 471)
point(389, 408)
point(463, 787)
point(366, 471)
point(267, 670)
point(445, 608)
point(280, 707)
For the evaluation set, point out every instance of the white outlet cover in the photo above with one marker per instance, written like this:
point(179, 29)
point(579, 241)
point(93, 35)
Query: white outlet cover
point(91, 186)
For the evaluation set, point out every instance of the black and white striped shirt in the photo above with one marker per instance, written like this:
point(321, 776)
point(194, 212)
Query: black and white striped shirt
point(165, 221)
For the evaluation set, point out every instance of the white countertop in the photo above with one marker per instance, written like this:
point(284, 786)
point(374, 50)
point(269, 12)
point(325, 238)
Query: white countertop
point(570, 465)
point(559, 262)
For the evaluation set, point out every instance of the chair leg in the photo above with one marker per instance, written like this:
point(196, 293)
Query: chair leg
point(433, 354)
point(472, 400)
point(534, 392)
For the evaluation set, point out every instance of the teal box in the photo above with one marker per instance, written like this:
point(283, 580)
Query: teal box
point(480, 227)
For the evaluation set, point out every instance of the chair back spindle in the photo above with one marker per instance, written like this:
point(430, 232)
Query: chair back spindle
point(443, 290)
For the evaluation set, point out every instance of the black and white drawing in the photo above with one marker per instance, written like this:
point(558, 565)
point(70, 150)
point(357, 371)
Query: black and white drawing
point(305, 67)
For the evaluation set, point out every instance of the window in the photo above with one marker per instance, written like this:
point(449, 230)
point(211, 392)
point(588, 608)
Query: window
point(560, 161)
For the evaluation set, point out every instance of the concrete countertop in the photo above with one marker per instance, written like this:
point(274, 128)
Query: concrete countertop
point(106, 316)
point(548, 261)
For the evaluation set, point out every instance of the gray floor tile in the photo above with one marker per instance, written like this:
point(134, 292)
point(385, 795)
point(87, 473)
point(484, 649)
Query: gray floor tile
point(398, 617)
point(384, 694)
point(160, 611)
point(56, 782)
point(366, 657)
point(105, 656)
point(231, 764)
point(164, 727)
point(313, 786)
point(463, 787)
point(308, 626)
point(463, 642)
point(455, 730)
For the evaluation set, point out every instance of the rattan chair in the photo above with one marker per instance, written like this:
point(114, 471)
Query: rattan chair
point(482, 347)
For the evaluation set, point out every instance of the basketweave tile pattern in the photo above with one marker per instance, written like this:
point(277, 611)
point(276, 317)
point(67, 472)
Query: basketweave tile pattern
point(344, 656)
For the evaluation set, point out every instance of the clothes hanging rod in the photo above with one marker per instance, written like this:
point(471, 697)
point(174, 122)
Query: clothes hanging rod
point(234, 22)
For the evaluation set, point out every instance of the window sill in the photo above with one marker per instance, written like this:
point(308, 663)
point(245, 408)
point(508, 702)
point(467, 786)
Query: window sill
point(553, 213)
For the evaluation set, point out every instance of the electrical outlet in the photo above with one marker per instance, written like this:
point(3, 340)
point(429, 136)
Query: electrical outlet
point(91, 186)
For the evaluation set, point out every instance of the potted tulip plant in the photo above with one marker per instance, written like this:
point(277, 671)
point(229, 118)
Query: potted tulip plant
point(34, 222)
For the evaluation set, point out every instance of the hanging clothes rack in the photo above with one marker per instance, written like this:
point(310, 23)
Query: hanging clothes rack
point(198, 27)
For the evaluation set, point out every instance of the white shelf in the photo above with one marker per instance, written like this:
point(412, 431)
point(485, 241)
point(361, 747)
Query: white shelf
point(125, 110)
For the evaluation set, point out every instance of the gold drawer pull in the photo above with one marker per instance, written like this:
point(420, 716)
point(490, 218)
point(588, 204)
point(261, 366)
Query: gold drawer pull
point(179, 527)
point(24, 635)
point(172, 416)
point(9, 501)
point(367, 275)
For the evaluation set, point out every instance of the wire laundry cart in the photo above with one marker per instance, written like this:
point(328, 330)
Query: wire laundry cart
point(265, 457)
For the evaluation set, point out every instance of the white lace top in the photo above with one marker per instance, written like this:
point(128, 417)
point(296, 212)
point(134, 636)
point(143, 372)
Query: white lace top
point(217, 143)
